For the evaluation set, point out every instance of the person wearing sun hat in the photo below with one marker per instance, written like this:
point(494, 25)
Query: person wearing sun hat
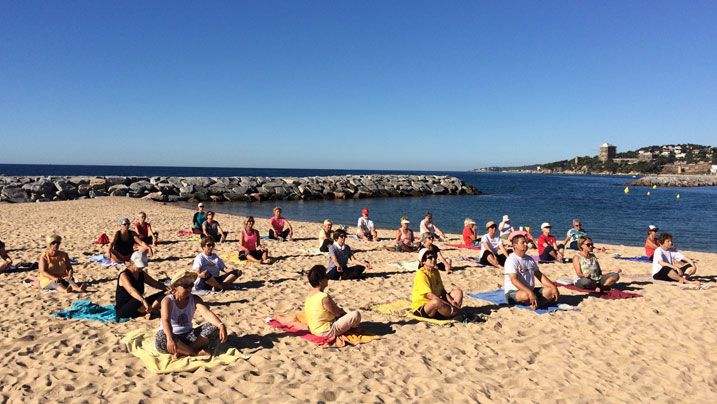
point(405, 240)
point(198, 219)
point(651, 242)
point(365, 229)
point(548, 249)
point(429, 297)
point(123, 243)
point(130, 301)
point(505, 228)
point(176, 335)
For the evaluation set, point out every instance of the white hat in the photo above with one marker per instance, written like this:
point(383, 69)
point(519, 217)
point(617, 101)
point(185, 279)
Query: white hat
point(200, 205)
point(544, 225)
point(139, 259)
point(422, 252)
point(506, 218)
point(406, 221)
point(652, 227)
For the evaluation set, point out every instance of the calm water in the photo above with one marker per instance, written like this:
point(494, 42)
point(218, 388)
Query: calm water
point(610, 215)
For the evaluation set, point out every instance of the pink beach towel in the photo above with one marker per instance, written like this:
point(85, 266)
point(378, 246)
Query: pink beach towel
point(612, 294)
point(295, 323)
point(185, 233)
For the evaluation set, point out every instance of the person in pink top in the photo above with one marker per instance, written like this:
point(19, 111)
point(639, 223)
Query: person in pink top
point(280, 227)
point(651, 242)
point(250, 248)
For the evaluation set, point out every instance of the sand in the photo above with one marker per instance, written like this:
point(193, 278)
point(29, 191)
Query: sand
point(660, 346)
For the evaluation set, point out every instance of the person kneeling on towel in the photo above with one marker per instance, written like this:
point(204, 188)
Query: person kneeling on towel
point(429, 298)
point(519, 283)
point(324, 317)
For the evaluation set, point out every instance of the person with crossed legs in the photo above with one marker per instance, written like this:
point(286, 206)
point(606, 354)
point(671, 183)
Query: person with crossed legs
point(520, 274)
point(429, 297)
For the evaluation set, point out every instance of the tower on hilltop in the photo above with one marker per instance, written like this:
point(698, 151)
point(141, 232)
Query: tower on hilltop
point(607, 152)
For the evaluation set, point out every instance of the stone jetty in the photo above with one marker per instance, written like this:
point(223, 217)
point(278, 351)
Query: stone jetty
point(173, 189)
point(676, 181)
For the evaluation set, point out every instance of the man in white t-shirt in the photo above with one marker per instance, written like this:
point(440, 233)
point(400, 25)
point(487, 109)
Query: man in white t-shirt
point(520, 274)
point(494, 253)
point(364, 228)
point(670, 265)
point(211, 271)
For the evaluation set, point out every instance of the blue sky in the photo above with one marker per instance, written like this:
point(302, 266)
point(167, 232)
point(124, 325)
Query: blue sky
point(385, 85)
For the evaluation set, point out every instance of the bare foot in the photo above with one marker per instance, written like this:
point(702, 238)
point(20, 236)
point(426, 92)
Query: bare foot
point(203, 353)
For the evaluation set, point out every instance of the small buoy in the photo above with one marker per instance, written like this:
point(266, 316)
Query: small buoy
point(627, 190)
point(648, 193)
point(678, 196)
point(654, 187)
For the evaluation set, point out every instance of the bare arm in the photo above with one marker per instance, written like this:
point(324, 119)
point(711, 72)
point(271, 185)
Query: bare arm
point(332, 307)
point(154, 283)
point(576, 266)
point(221, 231)
point(127, 285)
point(166, 315)
point(209, 315)
point(398, 236)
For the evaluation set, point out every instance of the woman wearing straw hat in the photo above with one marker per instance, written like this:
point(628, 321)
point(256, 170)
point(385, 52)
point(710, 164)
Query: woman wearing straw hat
point(56, 269)
point(176, 335)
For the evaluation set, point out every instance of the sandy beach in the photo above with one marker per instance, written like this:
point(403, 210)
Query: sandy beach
point(658, 347)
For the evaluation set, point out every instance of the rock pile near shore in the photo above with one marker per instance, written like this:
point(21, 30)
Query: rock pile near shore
point(172, 189)
point(676, 181)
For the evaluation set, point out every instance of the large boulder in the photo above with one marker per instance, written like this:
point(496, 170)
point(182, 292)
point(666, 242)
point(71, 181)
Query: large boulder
point(14, 194)
point(141, 187)
point(97, 184)
point(118, 190)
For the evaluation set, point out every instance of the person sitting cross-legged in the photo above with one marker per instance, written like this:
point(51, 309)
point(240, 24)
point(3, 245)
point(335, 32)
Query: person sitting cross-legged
point(339, 256)
point(494, 253)
point(670, 265)
point(548, 248)
point(429, 298)
point(211, 271)
point(280, 227)
point(588, 269)
point(130, 301)
point(520, 274)
point(324, 317)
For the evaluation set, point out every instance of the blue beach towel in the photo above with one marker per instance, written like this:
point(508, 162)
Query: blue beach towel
point(498, 297)
point(86, 310)
point(636, 259)
point(104, 261)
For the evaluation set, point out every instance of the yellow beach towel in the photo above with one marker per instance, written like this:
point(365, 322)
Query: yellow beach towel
point(232, 258)
point(140, 343)
point(402, 308)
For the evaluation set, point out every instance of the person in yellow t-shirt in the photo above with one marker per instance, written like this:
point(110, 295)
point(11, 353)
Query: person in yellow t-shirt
point(324, 317)
point(429, 298)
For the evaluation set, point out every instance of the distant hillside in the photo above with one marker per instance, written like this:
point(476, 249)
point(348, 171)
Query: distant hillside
point(671, 158)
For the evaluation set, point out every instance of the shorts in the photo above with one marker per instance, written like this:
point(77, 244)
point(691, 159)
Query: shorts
point(421, 312)
point(484, 258)
point(205, 330)
point(510, 296)
point(284, 234)
point(256, 254)
point(545, 256)
point(349, 273)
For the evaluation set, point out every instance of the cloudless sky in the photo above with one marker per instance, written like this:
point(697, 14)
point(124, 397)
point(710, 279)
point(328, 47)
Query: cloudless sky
point(373, 84)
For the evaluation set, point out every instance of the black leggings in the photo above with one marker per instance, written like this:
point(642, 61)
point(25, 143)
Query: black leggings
point(284, 234)
point(131, 308)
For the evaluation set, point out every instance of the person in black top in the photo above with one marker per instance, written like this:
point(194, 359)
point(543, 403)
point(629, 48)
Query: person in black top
point(130, 301)
point(122, 245)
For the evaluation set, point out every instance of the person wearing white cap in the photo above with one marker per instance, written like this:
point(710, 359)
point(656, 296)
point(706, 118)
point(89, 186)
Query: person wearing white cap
point(405, 240)
point(365, 230)
point(198, 219)
point(176, 335)
point(470, 237)
point(326, 235)
point(123, 243)
point(548, 249)
point(519, 281)
point(651, 242)
point(130, 301)
point(429, 297)
point(505, 228)
point(494, 252)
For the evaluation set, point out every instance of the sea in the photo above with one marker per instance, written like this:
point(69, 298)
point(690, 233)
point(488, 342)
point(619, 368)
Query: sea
point(608, 213)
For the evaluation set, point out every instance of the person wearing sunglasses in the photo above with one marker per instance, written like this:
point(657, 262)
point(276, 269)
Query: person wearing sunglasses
point(429, 297)
point(212, 272)
point(444, 264)
point(494, 253)
point(212, 229)
point(340, 255)
point(250, 248)
point(588, 270)
point(55, 268)
point(123, 244)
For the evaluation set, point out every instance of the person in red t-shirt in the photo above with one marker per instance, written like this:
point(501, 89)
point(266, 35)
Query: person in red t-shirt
point(548, 249)
point(651, 242)
point(470, 238)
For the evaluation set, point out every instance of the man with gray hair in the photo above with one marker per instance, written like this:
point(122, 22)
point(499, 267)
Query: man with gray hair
point(577, 231)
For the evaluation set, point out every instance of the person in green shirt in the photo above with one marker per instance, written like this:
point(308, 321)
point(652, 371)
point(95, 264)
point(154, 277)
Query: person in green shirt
point(429, 297)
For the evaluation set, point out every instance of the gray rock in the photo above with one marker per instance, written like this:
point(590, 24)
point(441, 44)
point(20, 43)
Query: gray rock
point(84, 189)
point(97, 184)
point(142, 187)
point(118, 190)
point(14, 194)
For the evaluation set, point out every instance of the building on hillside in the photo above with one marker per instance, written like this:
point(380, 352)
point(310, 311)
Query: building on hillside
point(645, 155)
point(607, 152)
point(713, 170)
point(684, 168)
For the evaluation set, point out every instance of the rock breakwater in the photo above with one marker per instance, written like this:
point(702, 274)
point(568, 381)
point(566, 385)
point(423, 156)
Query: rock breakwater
point(676, 181)
point(173, 189)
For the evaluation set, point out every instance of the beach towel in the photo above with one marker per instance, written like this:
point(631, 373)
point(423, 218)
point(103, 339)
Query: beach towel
point(104, 261)
point(86, 310)
point(498, 297)
point(468, 247)
point(611, 294)
point(295, 324)
point(186, 233)
point(402, 308)
point(233, 258)
point(140, 343)
point(408, 265)
point(635, 259)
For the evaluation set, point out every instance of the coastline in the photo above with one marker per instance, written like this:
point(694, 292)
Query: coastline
point(616, 350)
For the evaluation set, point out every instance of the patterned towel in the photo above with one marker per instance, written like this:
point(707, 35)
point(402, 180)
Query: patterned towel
point(402, 308)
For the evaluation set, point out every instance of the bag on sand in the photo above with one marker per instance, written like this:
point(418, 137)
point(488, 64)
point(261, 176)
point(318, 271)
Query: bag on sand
point(103, 239)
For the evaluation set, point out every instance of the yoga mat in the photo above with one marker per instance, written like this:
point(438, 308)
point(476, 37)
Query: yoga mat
point(140, 343)
point(635, 259)
point(402, 308)
point(612, 294)
point(498, 297)
point(295, 324)
point(104, 261)
point(86, 310)
point(467, 247)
